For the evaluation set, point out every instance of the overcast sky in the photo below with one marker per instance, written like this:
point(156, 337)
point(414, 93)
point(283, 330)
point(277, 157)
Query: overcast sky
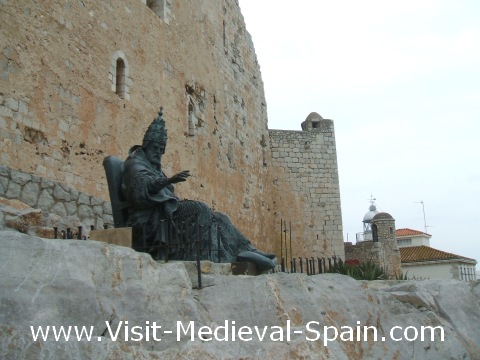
point(401, 80)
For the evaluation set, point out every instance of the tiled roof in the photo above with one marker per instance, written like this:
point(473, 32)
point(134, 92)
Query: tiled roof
point(426, 253)
point(409, 232)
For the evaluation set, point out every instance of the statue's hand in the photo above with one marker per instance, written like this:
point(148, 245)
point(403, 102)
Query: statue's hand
point(181, 176)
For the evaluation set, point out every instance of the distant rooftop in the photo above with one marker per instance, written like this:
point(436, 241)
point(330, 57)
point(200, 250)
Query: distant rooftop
point(410, 232)
point(427, 253)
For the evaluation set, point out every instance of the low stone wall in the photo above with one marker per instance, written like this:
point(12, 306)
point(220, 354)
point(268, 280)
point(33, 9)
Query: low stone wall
point(55, 198)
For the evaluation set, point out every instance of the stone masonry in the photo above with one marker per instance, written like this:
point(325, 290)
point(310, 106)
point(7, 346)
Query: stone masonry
point(81, 80)
point(307, 188)
point(382, 250)
point(54, 198)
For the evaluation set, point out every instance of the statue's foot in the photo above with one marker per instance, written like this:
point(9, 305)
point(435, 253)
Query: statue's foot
point(262, 262)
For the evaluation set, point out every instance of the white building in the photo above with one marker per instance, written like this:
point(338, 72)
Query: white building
point(419, 260)
point(409, 237)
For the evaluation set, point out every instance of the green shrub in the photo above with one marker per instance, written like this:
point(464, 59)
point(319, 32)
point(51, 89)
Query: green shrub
point(365, 271)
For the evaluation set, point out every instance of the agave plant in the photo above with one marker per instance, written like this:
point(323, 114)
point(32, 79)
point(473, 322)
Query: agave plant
point(367, 270)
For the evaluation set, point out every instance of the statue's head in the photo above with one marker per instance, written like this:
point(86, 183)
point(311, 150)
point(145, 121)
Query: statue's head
point(155, 139)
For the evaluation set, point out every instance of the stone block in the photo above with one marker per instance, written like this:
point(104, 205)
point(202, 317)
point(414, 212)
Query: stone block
point(71, 208)
point(20, 177)
point(23, 107)
point(4, 171)
point(29, 194)
point(83, 199)
point(99, 224)
point(107, 208)
point(59, 193)
point(11, 104)
point(13, 190)
point(85, 212)
point(117, 236)
point(4, 111)
point(45, 200)
point(59, 209)
point(97, 210)
point(3, 188)
point(74, 194)
point(108, 219)
point(47, 183)
point(96, 201)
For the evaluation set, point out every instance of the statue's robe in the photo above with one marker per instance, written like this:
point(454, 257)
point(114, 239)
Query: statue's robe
point(151, 211)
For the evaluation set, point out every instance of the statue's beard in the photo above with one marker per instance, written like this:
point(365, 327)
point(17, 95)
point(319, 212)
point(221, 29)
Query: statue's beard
point(156, 162)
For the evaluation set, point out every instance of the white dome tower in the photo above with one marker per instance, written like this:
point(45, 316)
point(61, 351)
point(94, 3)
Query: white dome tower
point(367, 220)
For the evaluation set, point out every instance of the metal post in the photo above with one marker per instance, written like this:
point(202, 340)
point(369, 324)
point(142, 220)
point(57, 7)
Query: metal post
point(168, 231)
point(313, 265)
point(185, 241)
point(55, 232)
point(218, 243)
point(285, 239)
point(177, 240)
point(290, 226)
point(281, 239)
point(79, 235)
point(199, 270)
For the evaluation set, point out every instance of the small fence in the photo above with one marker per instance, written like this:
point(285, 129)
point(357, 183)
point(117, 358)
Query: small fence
point(182, 240)
point(310, 265)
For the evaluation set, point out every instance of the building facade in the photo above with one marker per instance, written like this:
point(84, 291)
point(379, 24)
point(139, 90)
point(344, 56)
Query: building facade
point(420, 261)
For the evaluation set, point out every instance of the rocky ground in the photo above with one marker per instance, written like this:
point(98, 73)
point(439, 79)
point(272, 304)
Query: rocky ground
point(47, 282)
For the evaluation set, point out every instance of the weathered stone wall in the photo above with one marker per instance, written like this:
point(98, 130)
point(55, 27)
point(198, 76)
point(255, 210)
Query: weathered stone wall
point(306, 189)
point(363, 251)
point(54, 198)
point(60, 113)
point(384, 252)
point(389, 254)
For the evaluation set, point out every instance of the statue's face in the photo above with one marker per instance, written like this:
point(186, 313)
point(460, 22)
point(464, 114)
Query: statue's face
point(154, 152)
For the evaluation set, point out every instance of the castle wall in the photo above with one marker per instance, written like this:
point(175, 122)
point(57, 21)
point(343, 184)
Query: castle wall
point(61, 113)
point(306, 189)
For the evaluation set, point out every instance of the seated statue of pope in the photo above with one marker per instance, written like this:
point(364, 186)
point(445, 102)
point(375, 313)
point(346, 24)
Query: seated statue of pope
point(154, 203)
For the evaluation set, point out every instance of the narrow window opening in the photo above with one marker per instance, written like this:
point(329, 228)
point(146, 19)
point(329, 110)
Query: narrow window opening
point(162, 8)
point(191, 118)
point(374, 233)
point(120, 78)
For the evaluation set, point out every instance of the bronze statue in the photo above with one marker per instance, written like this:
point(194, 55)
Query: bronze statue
point(154, 203)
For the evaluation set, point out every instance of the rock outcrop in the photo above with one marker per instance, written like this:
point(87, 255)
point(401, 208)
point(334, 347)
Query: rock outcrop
point(108, 288)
